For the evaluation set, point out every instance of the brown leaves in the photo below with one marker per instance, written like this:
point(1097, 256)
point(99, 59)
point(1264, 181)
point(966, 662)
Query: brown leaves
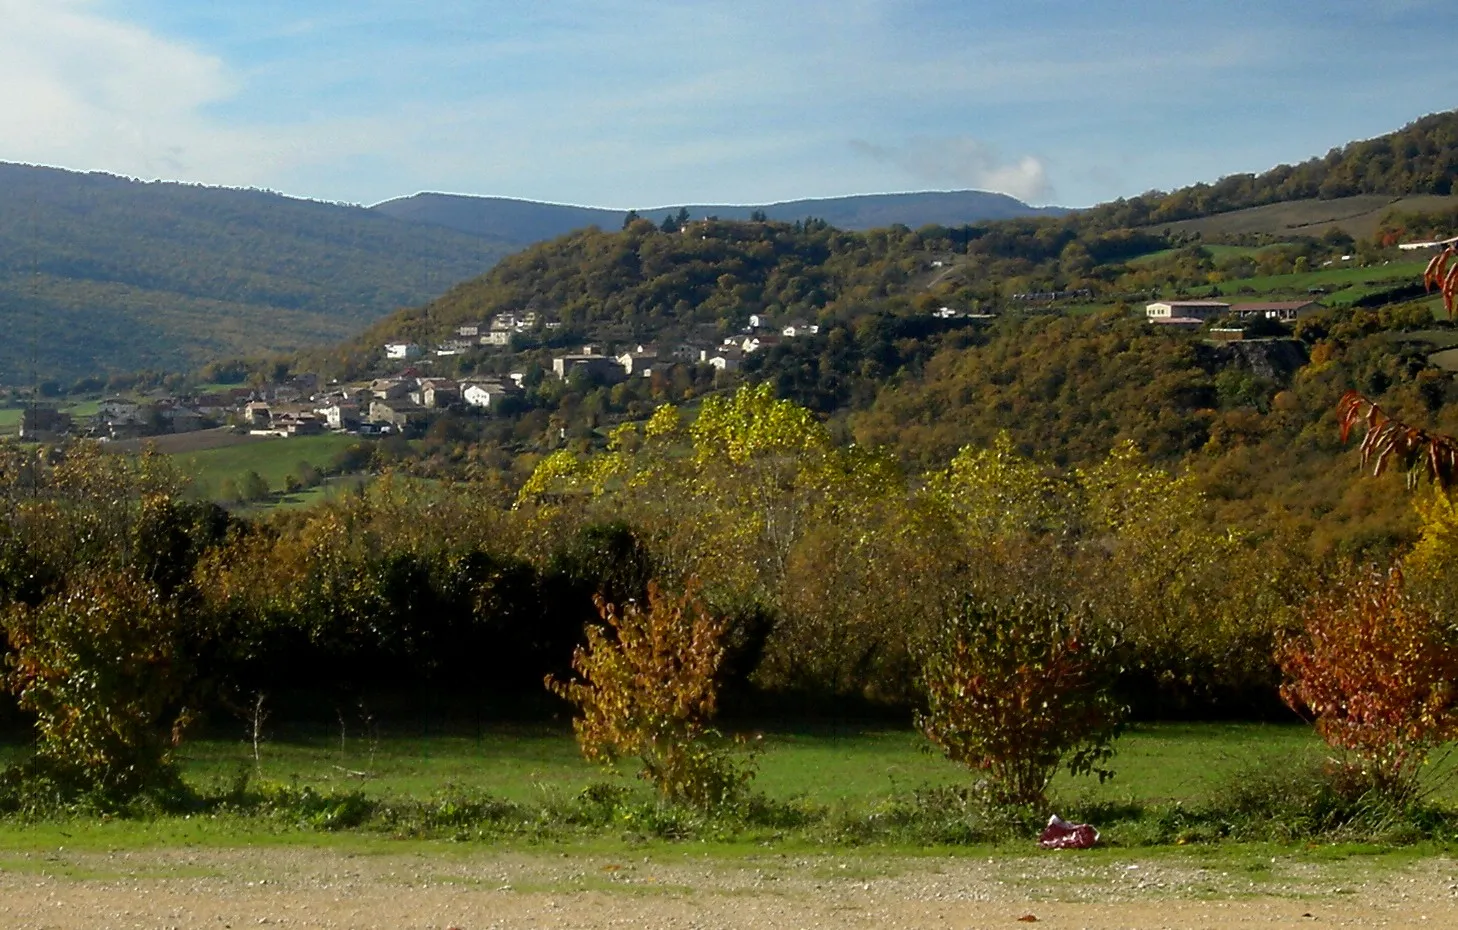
point(1441, 275)
point(1390, 441)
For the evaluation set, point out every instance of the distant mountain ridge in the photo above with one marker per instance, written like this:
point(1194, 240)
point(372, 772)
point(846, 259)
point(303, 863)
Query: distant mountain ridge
point(527, 221)
point(102, 273)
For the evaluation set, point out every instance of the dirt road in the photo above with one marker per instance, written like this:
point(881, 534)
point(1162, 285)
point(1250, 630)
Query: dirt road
point(472, 889)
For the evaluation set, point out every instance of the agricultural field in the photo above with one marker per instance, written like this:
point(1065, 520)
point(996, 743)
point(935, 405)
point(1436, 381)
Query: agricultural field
point(273, 459)
point(1217, 252)
point(1342, 285)
point(1357, 216)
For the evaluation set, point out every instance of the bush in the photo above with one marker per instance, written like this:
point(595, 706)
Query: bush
point(1017, 691)
point(648, 687)
point(1374, 669)
point(99, 666)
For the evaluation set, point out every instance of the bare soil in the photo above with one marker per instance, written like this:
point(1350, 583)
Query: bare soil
point(474, 890)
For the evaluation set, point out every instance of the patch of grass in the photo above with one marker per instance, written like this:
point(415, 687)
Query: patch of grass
point(1338, 281)
point(1446, 359)
point(1217, 252)
point(274, 459)
point(825, 788)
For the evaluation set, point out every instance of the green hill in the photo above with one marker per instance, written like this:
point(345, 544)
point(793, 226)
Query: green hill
point(101, 273)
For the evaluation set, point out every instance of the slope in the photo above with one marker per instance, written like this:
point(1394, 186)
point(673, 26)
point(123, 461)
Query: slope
point(102, 273)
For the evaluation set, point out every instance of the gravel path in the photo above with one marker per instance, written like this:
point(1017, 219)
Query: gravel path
point(468, 889)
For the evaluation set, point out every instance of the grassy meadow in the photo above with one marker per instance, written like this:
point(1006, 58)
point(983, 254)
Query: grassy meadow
point(273, 459)
point(1156, 763)
point(874, 788)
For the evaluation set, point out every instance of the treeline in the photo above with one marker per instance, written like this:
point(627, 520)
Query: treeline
point(131, 614)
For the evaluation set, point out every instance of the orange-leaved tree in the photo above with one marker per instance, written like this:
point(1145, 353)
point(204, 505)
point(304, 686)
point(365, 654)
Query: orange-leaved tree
point(1374, 670)
point(648, 686)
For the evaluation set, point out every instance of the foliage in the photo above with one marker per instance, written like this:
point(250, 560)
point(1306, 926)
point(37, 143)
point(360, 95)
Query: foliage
point(101, 667)
point(1375, 670)
point(648, 685)
point(1416, 450)
point(1019, 690)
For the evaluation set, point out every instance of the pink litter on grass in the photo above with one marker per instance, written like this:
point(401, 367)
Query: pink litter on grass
point(1060, 834)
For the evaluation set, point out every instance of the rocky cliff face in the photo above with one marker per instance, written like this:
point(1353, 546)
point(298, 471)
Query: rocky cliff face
point(1276, 359)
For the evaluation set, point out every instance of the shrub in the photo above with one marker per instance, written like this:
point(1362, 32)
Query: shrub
point(1017, 691)
point(648, 686)
point(1375, 671)
point(99, 666)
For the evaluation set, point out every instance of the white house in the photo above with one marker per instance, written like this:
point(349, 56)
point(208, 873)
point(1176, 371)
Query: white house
point(799, 328)
point(485, 394)
point(402, 350)
point(1185, 309)
point(728, 359)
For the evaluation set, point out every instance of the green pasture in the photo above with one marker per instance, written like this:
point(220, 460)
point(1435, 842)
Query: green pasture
point(1156, 762)
point(852, 777)
point(1343, 284)
point(274, 459)
point(1217, 252)
point(10, 418)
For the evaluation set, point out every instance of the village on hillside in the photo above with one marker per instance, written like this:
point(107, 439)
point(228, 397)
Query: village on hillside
point(404, 401)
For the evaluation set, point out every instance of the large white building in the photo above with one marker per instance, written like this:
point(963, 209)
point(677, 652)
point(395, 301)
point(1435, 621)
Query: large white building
point(1164, 310)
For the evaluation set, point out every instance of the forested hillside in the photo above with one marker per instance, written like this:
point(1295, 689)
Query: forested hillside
point(1420, 158)
point(100, 273)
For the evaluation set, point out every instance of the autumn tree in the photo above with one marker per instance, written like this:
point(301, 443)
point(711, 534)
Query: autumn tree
point(647, 685)
point(1376, 673)
point(1019, 690)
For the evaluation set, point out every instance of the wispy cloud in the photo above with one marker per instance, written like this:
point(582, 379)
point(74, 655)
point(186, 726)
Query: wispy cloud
point(83, 89)
point(962, 161)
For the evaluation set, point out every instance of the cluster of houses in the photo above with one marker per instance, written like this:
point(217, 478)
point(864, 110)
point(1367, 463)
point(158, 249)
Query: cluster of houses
point(297, 406)
point(1196, 313)
point(468, 337)
point(643, 359)
point(385, 405)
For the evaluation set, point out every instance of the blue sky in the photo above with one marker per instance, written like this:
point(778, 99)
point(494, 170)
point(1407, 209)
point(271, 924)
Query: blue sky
point(616, 103)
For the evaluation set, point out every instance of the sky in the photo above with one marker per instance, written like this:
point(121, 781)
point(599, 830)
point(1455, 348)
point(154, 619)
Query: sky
point(636, 104)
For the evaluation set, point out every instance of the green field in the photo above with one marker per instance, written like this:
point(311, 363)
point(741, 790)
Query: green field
point(274, 459)
point(1343, 285)
point(1217, 252)
point(1156, 763)
point(819, 788)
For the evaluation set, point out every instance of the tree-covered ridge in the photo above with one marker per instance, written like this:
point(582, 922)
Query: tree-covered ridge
point(1420, 158)
point(713, 272)
point(180, 273)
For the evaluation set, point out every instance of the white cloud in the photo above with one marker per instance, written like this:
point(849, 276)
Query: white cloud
point(962, 161)
point(83, 89)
